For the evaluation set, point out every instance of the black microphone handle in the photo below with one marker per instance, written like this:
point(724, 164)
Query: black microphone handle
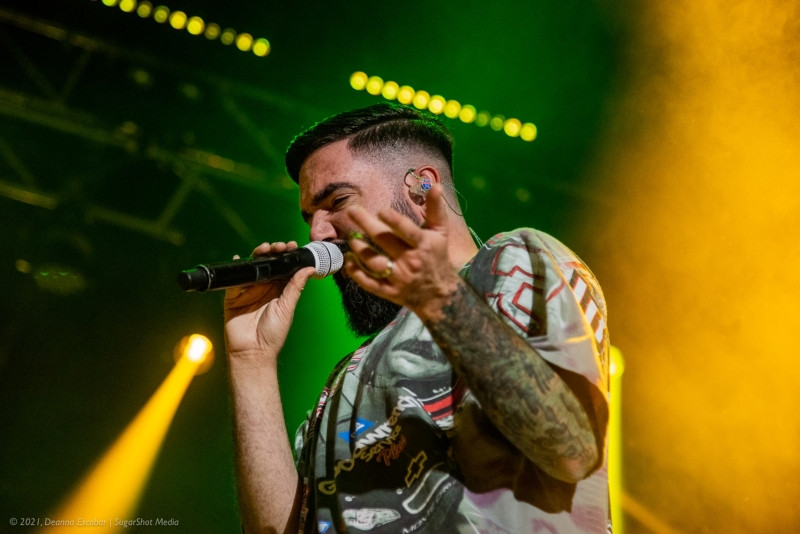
point(244, 272)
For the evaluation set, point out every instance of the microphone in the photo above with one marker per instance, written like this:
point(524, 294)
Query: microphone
point(326, 257)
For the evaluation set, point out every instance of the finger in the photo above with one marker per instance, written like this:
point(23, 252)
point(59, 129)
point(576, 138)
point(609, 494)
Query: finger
point(378, 231)
point(363, 250)
point(377, 286)
point(273, 248)
point(402, 227)
point(369, 261)
point(286, 305)
point(435, 208)
point(297, 283)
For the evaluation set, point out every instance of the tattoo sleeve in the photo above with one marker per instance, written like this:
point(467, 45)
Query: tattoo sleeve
point(520, 393)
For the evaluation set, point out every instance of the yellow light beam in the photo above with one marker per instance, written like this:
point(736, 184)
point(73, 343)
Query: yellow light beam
point(113, 487)
point(615, 440)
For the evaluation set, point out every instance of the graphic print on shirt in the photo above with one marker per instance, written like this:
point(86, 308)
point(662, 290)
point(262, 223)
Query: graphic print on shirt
point(520, 284)
point(588, 302)
point(381, 457)
point(386, 408)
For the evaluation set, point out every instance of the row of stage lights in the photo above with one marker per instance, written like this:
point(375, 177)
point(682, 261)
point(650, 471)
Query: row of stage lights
point(439, 105)
point(192, 24)
point(360, 81)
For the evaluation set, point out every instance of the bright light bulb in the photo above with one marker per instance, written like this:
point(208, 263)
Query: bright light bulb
point(390, 90)
point(528, 132)
point(128, 6)
point(244, 42)
point(177, 20)
point(195, 26)
point(467, 114)
point(436, 105)
point(374, 85)
point(421, 99)
point(406, 94)
point(197, 348)
point(452, 109)
point(512, 127)
point(617, 364)
point(161, 14)
point(261, 47)
point(358, 80)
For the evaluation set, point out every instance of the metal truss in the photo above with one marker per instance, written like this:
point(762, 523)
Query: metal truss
point(55, 89)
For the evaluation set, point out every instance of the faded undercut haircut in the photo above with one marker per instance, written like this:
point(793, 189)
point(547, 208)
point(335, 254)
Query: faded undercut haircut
point(371, 130)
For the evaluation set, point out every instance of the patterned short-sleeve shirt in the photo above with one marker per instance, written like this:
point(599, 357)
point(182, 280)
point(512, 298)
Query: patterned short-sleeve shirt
point(397, 444)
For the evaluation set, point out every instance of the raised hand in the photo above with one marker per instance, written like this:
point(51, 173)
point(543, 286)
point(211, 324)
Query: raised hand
point(412, 268)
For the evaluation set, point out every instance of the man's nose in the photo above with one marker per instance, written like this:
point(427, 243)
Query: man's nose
point(321, 228)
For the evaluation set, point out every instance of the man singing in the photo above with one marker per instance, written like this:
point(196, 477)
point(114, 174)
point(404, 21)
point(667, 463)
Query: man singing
point(478, 404)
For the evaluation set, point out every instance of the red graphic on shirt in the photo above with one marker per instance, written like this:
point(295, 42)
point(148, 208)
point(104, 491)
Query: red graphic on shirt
point(522, 284)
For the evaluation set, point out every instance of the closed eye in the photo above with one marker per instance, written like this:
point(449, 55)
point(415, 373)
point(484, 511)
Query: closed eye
point(338, 201)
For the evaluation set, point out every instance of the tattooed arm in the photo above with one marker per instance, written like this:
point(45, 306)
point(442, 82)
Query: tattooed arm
point(518, 390)
point(530, 403)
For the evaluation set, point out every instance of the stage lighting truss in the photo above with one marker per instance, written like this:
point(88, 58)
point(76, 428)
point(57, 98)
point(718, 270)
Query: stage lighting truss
point(194, 25)
point(439, 105)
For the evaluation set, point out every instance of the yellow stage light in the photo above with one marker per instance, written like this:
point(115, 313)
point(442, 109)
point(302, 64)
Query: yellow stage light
point(512, 127)
point(528, 132)
point(177, 19)
point(436, 105)
point(374, 85)
point(195, 25)
point(406, 94)
point(496, 123)
point(198, 349)
point(467, 114)
point(128, 6)
point(145, 9)
point(244, 42)
point(616, 368)
point(261, 47)
point(358, 80)
point(482, 118)
point(452, 109)
point(228, 36)
point(161, 14)
point(113, 487)
point(390, 90)
point(212, 31)
point(421, 99)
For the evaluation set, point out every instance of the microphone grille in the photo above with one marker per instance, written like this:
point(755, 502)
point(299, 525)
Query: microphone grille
point(327, 257)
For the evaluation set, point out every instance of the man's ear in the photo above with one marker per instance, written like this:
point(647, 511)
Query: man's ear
point(419, 182)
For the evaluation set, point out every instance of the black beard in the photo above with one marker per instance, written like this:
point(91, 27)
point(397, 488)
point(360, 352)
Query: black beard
point(368, 314)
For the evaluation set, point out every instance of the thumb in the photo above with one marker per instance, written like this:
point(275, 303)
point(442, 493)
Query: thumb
point(435, 208)
point(294, 288)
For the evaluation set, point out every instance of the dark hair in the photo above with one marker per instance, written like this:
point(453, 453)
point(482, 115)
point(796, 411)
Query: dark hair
point(373, 128)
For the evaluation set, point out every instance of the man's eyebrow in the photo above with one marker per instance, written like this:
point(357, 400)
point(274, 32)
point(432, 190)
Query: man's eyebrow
point(330, 189)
